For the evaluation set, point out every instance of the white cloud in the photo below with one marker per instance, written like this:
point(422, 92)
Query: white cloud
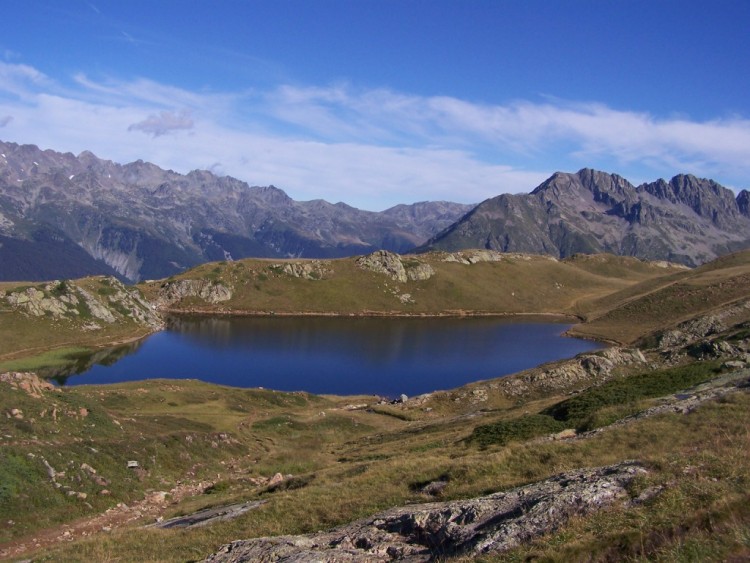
point(368, 148)
point(164, 123)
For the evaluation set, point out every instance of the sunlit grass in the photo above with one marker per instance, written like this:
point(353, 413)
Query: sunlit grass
point(699, 461)
point(59, 357)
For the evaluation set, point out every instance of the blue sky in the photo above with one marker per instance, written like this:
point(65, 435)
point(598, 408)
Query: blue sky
point(378, 102)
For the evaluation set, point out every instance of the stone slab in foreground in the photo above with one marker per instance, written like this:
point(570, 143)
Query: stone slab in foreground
point(423, 532)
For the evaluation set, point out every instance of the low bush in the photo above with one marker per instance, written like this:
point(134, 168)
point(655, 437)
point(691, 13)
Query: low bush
point(518, 429)
point(595, 407)
point(628, 390)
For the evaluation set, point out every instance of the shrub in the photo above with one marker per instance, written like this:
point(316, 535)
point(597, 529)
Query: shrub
point(628, 390)
point(61, 288)
point(519, 429)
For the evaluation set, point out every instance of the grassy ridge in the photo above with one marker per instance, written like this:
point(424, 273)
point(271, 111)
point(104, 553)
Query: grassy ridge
point(517, 284)
point(659, 303)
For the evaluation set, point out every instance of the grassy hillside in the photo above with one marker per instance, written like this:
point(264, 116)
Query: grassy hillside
point(514, 284)
point(67, 493)
point(660, 303)
point(47, 323)
point(202, 446)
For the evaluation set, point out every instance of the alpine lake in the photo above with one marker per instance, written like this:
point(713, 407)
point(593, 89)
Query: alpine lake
point(387, 357)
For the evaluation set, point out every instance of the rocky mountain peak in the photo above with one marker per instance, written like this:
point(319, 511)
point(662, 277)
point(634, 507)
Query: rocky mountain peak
point(743, 202)
point(87, 158)
point(272, 195)
point(604, 187)
point(686, 220)
point(705, 197)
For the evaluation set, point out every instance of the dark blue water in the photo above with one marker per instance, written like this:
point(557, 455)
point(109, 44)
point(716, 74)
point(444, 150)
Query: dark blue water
point(340, 356)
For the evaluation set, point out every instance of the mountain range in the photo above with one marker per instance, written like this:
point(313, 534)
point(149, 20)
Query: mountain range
point(686, 220)
point(66, 216)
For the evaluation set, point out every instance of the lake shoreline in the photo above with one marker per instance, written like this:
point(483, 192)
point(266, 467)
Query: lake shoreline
point(166, 313)
point(453, 313)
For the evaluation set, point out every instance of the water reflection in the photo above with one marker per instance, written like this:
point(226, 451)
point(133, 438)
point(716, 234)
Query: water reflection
point(83, 361)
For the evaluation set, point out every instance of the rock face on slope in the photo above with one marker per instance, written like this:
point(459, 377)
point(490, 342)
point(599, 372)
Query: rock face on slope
point(392, 265)
point(112, 302)
point(686, 220)
point(66, 216)
point(584, 368)
point(206, 290)
point(424, 532)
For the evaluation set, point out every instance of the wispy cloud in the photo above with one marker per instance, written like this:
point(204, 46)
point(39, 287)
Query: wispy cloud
point(592, 129)
point(130, 39)
point(22, 80)
point(5, 120)
point(163, 123)
point(370, 148)
point(10, 55)
point(141, 91)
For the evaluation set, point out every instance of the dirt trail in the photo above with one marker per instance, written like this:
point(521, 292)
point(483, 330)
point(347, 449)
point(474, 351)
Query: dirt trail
point(148, 510)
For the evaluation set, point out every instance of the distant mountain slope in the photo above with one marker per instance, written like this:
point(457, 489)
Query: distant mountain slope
point(68, 216)
point(686, 220)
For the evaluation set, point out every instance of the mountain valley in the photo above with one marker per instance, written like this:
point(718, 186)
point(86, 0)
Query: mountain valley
point(64, 216)
point(631, 452)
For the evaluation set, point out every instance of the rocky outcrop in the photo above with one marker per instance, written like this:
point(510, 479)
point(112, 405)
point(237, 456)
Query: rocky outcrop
point(312, 270)
point(384, 262)
point(392, 265)
point(566, 374)
point(562, 375)
point(700, 328)
point(30, 383)
point(426, 532)
point(419, 272)
point(475, 256)
point(209, 291)
point(688, 400)
point(37, 302)
point(708, 337)
point(209, 516)
point(71, 300)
